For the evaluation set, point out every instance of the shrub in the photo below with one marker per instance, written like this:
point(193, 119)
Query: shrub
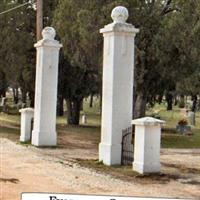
point(183, 122)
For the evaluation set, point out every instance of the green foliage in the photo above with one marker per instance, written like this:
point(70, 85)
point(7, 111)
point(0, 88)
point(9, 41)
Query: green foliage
point(80, 66)
point(177, 47)
point(17, 36)
point(91, 131)
point(167, 46)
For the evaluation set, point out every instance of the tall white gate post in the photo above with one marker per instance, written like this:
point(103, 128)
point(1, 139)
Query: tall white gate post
point(118, 66)
point(44, 129)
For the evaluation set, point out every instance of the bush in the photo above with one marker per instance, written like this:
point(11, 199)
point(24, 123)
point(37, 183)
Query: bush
point(183, 122)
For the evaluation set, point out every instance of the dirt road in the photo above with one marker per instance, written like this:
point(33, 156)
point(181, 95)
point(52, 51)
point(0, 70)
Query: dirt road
point(29, 169)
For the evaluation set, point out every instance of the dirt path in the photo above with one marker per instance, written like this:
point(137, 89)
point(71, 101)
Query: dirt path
point(29, 169)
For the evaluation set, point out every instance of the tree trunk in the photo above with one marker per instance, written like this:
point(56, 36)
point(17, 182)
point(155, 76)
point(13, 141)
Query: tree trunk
point(69, 111)
point(32, 99)
point(175, 100)
point(140, 106)
point(182, 102)
point(160, 98)
point(60, 108)
point(134, 102)
point(91, 100)
point(24, 92)
point(15, 95)
point(73, 111)
point(4, 93)
point(81, 108)
point(169, 99)
point(194, 103)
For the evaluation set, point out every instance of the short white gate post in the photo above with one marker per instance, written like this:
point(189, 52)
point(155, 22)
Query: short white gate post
point(44, 129)
point(117, 95)
point(26, 124)
point(147, 145)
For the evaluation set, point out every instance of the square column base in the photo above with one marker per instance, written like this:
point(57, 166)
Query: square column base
point(110, 154)
point(25, 138)
point(40, 138)
point(145, 169)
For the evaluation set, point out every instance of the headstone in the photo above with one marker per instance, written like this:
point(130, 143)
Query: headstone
point(44, 129)
point(191, 116)
point(118, 65)
point(26, 124)
point(4, 104)
point(28, 101)
point(84, 119)
point(147, 145)
point(3, 101)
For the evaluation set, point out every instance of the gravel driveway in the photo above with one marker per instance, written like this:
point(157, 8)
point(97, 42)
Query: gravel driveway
point(30, 169)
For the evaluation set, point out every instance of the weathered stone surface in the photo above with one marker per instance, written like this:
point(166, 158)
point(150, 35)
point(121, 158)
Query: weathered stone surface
point(118, 65)
point(147, 145)
point(44, 131)
point(26, 124)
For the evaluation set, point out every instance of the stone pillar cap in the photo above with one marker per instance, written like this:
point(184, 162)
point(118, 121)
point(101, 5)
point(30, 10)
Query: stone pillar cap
point(48, 33)
point(26, 110)
point(120, 14)
point(148, 121)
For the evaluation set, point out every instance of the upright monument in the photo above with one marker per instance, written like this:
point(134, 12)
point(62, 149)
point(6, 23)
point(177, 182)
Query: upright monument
point(44, 129)
point(118, 67)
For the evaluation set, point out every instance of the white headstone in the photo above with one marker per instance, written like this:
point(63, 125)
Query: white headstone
point(192, 119)
point(44, 130)
point(147, 145)
point(118, 65)
point(84, 119)
point(3, 101)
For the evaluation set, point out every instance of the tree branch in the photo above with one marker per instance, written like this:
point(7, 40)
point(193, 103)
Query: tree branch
point(169, 8)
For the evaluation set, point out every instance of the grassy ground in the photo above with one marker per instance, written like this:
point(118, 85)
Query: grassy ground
point(170, 137)
point(90, 132)
point(10, 123)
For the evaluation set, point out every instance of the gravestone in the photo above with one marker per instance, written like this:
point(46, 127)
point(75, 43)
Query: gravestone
point(192, 119)
point(117, 95)
point(4, 104)
point(3, 101)
point(84, 119)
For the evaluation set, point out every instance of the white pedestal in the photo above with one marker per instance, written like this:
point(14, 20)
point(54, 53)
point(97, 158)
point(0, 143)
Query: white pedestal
point(44, 131)
point(26, 119)
point(118, 65)
point(147, 145)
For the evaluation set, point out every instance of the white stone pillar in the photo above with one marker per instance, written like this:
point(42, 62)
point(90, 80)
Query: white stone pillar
point(118, 65)
point(44, 130)
point(26, 122)
point(147, 145)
